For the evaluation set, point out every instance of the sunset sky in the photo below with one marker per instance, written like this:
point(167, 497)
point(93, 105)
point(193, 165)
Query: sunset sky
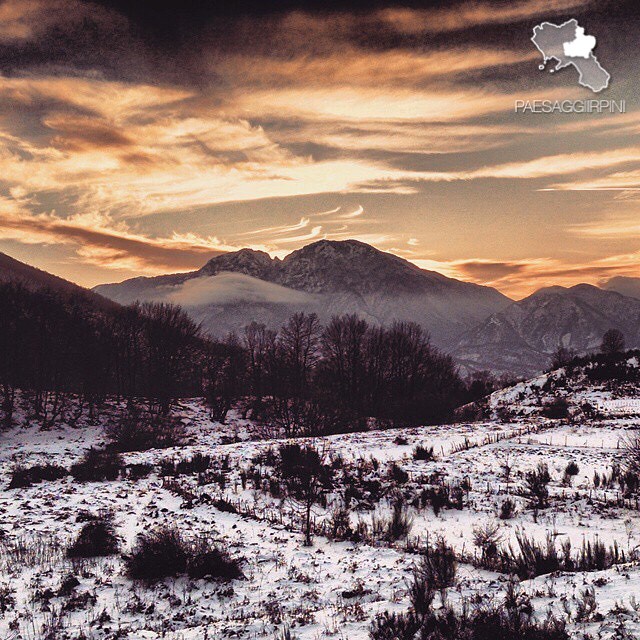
point(139, 138)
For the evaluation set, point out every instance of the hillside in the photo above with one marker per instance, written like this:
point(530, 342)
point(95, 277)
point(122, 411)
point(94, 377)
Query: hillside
point(470, 485)
point(12, 270)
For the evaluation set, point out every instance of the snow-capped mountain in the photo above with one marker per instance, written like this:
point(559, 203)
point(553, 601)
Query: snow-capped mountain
point(521, 338)
point(326, 277)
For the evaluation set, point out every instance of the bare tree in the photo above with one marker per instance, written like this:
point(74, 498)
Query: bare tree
point(562, 356)
point(613, 342)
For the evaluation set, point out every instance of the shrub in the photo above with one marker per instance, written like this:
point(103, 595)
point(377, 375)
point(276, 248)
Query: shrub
point(533, 558)
point(397, 473)
point(556, 409)
point(513, 620)
point(507, 509)
point(340, 524)
point(632, 454)
point(438, 567)
point(97, 538)
point(537, 481)
point(572, 469)
point(197, 463)
point(399, 524)
point(140, 430)
point(423, 453)
point(487, 537)
point(305, 478)
point(7, 599)
point(138, 470)
point(164, 553)
point(156, 555)
point(394, 626)
point(23, 477)
point(97, 465)
point(208, 561)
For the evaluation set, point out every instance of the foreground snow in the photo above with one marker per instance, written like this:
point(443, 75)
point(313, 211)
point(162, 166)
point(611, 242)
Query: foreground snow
point(332, 589)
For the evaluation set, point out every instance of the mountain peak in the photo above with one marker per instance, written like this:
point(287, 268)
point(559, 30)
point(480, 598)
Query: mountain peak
point(258, 264)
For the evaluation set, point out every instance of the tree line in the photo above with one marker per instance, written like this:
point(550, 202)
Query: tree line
point(302, 379)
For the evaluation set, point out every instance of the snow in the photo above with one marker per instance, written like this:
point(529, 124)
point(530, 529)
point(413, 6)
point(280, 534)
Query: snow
point(331, 589)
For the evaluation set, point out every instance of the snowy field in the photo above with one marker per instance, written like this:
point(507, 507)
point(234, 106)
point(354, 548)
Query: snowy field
point(333, 588)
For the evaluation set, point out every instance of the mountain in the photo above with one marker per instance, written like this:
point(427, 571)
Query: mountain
point(326, 277)
point(625, 285)
point(12, 270)
point(521, 338)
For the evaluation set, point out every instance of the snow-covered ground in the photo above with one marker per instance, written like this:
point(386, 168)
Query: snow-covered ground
point(332, 589)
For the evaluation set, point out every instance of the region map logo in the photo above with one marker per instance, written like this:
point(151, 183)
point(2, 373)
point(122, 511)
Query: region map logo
point(569, 45)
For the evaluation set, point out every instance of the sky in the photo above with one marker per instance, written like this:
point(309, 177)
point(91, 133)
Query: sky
point(142, 138)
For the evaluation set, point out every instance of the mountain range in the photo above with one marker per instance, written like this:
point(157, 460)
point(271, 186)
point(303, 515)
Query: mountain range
point(521, 338)
point(326, 278)
point(478, 325)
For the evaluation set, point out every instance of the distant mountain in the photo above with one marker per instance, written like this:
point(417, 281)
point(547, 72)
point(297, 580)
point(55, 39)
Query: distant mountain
point(520, 339)
point(325, 277)
point(625, 285)
point(12, 270)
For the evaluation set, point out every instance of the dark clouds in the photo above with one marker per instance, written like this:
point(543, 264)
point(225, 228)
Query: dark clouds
point(120, 122)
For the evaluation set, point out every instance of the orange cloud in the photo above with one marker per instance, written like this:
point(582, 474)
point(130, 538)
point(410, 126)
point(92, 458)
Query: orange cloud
point(472, 14)
point(520, 278)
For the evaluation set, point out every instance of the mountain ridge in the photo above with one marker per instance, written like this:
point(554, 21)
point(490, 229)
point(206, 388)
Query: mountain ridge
point(337, 277)
point(520, 339)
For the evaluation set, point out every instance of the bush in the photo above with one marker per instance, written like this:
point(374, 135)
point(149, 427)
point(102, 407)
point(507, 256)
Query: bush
point(572, 469)
point(537, 481)
point(140, 430)
point(97, 538)
point(513, 620)
point(394, 626)
point(97, 465)
point(558, 408)
point(438, 567)
point(507, 509)
point(164, 553)
point(156, 555)
point(487, 537)
point(398, 526)
point(423, 453)
point(198, 463)
point(138, 470)
point(340, 524)
point(208, 561)
point(397, 473)
point(23, 477)
point(533, 558)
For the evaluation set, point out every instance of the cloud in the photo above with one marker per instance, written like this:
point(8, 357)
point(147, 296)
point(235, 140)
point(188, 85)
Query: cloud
point(229, 288)
point(357, 104)
point(472, 14)
point(621, 226)
point(617, 181)
point(389, 136)
point(107, 247)
point(25, 20)
point(520, 278)
point(349, 66)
